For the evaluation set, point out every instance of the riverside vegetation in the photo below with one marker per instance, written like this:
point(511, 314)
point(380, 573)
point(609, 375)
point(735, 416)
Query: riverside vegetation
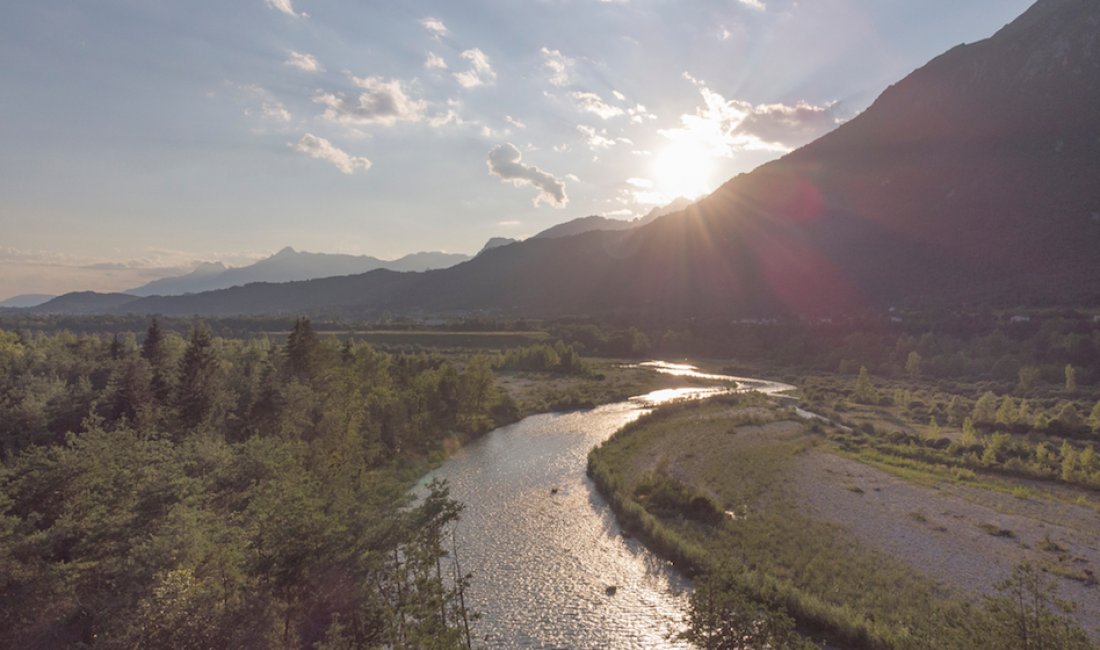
point(202, 492)
point(709, 486)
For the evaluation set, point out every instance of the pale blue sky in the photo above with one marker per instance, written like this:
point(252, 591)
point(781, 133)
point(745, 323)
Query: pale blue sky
point(143, 135)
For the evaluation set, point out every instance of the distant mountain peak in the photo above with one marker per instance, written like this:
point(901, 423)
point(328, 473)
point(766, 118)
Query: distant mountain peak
point(286, 251)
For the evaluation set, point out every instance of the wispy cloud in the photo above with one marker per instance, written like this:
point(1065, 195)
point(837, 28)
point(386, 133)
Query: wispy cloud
point(319, 148)
point(303, 61)
point(434, 62)
point(559, 65)
point(722, 127)
point(382, 101)
point(435, 27)
point(596, 139)
point(480, 72)
point(593, 103)
point(286, 7)
point(753, 4)
point(505, 162)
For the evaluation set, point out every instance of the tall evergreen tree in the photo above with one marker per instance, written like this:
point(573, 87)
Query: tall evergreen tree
point(302, 348)
point(198, 390)
point(154, 350)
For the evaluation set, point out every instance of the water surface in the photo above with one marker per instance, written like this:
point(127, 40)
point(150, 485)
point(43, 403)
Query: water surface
point(551, 566)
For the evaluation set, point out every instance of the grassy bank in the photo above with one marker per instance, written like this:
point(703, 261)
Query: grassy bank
point(703, 485)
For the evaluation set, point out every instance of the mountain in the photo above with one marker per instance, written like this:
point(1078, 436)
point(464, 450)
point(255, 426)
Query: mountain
point(596, 222)
point(289, 265)
point(85, 302)
point(25, 300)
point(972, 179)
point(204, 275)
point(496, 242)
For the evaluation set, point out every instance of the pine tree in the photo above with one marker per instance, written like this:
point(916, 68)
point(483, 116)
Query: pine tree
point(198, 390)
point(154, 350)
point(302, 348)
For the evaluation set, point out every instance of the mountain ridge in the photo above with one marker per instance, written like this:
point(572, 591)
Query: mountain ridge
point(971, 179)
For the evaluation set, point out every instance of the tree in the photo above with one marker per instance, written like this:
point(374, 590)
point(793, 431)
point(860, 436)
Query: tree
point(198, 389)
point(154, 350)
point(723, 617)
point(969, 435)
point(985, 410)
point(865, 391)
point(1026, 615)
point(1068, 420)
point(1028, 377)
point(1071, 378)
point(1094, 418)
point(912, 365)
point(302, 349)
point(957, 410)
point(1007, 413)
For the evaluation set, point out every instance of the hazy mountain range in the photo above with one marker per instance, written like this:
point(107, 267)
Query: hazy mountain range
point(290, 265)
point(25, 300)
point(972, 179)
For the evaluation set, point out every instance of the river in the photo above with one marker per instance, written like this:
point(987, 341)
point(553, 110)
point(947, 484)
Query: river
point(551, 566)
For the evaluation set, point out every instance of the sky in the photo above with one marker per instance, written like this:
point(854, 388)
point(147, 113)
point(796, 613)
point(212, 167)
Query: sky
point(144, 136)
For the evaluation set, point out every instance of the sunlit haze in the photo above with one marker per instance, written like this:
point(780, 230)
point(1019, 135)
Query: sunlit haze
point(142, 138)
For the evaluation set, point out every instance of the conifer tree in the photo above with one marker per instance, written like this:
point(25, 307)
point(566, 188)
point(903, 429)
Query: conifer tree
point(198, 390)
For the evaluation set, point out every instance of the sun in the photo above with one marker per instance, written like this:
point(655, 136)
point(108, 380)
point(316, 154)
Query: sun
point(683, 169)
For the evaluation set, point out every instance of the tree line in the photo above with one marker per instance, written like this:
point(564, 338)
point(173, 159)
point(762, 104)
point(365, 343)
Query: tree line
point(201, 492)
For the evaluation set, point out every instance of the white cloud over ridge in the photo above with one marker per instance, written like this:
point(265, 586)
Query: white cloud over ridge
point(480, 72)
point(381, 102)
point(722, 127)
point(319, 148)
point(303, 61)
point(505, 162)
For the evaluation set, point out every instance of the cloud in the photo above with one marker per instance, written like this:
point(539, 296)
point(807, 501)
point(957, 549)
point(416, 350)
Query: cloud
point(270, 108)
point(381, 102)
point(504, 163)
point(286, 7)
point(274, 110)
point(302, 61)
point(753, 4)
point(639, 114)
point(723, 127)
point(593, 103)
point(514, 122)
point(511, 223)
point(596, 139)
point(559, 65)
point(480, 72)
point(434, 26)
point(435, 62)
point(319, 148)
